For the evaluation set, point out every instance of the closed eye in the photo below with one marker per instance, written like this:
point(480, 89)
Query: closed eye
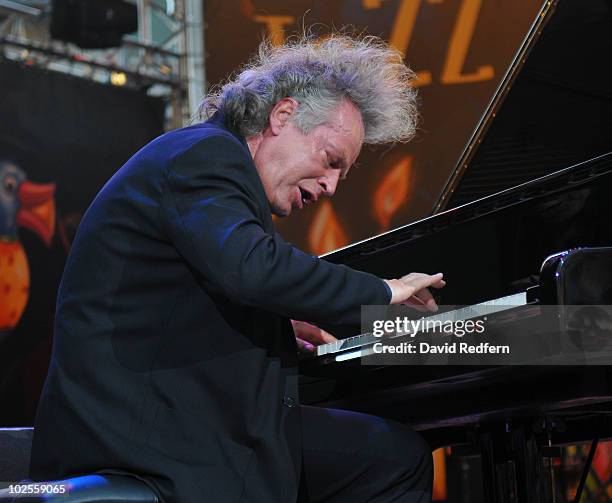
point(336, 163)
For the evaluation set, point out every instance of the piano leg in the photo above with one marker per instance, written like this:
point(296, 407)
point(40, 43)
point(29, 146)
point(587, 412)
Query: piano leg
point(489, 466)
point(512, 465)
point(530, 475)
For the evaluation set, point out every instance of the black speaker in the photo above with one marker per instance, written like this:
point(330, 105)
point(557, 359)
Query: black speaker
point(93, 24)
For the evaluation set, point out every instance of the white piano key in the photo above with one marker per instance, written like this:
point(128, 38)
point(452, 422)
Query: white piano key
point(465, 313)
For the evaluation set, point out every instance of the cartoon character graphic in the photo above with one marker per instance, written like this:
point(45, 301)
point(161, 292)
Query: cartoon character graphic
point(22, 204)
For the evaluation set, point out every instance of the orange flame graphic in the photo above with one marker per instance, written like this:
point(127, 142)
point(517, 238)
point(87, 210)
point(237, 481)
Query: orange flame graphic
point(439, 485)
point(392, 191)
point(326, 233)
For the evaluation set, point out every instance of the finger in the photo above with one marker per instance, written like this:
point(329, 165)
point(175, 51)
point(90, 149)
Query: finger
point(426, 280)
point(405, 287)
point(424, 307)
point(413, 283)
point(305, 332)
point(416, 303)
point(304, 346)
point(327, 337)
point(312, 333)
point(427, 299)
point(439, 284)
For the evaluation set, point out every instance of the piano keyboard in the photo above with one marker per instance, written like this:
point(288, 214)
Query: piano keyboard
point(465, 313)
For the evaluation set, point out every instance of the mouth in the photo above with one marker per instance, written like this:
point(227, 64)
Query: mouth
point(307, 198)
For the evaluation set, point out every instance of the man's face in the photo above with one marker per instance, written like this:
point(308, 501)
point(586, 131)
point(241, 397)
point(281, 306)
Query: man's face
point(296, 169)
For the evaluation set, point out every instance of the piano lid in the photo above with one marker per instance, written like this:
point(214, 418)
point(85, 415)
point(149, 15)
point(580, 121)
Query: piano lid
point(495, 246)
point(552, 109)
point(540, 180)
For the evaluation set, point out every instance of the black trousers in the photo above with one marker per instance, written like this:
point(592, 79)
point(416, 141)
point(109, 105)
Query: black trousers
point(353, 458)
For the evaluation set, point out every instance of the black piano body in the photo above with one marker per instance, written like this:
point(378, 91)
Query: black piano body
point(535, 179)
point(487, 249)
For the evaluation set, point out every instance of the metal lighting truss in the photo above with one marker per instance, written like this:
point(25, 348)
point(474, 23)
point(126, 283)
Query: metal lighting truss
point(165, 57)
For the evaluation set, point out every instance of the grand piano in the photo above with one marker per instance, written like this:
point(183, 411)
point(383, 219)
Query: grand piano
point(534, 180)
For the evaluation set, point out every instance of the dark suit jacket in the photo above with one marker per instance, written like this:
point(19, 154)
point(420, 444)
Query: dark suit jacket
point(173, 354)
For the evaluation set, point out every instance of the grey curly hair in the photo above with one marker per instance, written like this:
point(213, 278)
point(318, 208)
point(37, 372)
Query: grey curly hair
point(318, 74)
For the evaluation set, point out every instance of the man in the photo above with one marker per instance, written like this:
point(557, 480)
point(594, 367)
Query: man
point(174, 358)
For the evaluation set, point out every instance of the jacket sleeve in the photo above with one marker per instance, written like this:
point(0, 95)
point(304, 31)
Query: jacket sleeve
point(210, 211)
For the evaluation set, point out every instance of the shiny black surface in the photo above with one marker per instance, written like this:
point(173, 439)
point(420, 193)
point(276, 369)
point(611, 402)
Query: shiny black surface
point(556, 115)
point(487, 249)
point(495, 246)
point(553, 124)
point(558, 110)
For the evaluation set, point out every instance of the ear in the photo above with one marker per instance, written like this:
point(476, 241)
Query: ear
point(281, 113)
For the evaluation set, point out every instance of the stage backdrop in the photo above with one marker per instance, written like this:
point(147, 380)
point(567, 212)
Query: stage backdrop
point(460, 49)
point(61, 138)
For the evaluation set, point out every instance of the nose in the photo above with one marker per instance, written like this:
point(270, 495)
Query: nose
point(329, 182)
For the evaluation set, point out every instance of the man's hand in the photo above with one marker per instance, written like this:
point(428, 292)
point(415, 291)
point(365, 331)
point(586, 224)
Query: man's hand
point(412, 289)
point(308, 336)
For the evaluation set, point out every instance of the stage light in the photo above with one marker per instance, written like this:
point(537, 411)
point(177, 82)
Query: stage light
point(118, 78)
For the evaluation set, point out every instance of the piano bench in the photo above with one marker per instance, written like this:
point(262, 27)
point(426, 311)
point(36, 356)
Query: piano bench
point(15, 447)
point(85, 489)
